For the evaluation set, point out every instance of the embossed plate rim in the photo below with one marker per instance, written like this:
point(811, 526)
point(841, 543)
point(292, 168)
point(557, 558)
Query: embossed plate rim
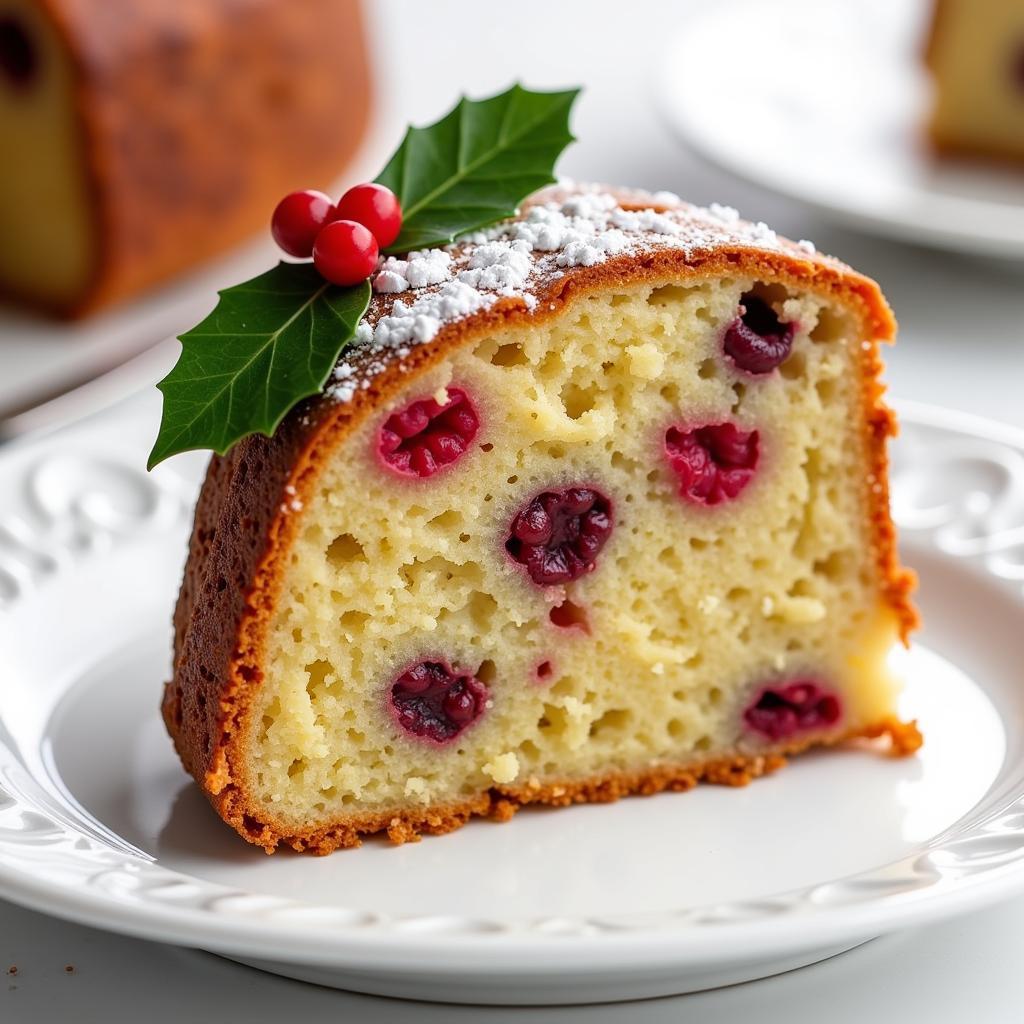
point(58, 868)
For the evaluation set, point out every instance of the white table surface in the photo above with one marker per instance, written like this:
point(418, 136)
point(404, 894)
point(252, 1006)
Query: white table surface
point(961, 345)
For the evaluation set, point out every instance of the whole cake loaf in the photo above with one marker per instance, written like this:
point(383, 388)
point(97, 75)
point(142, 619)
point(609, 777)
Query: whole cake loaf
point(596, 504)
point(142, 137)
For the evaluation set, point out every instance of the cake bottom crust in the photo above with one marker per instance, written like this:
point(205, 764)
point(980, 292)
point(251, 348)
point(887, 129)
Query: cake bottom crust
point(500, 803)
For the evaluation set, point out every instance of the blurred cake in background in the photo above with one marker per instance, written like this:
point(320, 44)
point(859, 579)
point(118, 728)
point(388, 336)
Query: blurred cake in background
point(141, 137)
point(975, 51)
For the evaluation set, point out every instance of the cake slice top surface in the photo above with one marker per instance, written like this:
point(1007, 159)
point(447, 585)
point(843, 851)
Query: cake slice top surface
point(562, 236)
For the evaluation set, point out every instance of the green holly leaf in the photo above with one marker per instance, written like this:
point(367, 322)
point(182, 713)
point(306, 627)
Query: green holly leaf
point(474, 166)
point(273, 341)
point(269, 343)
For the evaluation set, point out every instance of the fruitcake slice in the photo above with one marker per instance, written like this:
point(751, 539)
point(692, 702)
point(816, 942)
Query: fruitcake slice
point(596, 505)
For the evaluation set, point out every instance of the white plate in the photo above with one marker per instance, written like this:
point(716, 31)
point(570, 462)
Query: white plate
point(98, 823)
point(824, 101)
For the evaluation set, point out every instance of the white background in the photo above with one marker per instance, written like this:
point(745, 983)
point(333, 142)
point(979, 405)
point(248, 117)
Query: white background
point(960, 346)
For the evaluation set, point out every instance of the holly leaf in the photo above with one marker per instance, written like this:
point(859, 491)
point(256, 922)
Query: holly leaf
point(273, 341)
point(474, 166)
point(269, 343)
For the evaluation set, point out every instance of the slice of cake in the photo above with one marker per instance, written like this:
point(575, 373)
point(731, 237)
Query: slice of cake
point(142, 138)
point(596, 505)
point(975, 52)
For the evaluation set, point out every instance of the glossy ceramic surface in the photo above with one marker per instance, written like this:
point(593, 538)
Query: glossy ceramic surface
point(645, 897)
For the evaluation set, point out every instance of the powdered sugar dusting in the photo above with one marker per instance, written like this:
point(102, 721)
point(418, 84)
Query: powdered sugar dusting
point(726, 214)
point(500, 265)
point(393, 335)
point(418, 270)
point(565, 227)
point(764, 236)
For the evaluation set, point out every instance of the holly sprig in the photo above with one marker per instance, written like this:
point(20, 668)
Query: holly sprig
point(273, 341)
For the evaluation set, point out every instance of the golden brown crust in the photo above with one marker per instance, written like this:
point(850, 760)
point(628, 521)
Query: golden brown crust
point(501, 803)
point(196, 117)
point(244, 529)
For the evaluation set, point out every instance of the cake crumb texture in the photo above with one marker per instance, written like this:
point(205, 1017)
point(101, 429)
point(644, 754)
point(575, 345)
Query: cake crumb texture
point(319, 578)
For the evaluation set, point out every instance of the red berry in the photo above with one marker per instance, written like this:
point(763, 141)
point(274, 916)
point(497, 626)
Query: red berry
point(757, 340)
point(781, 711)
point(714, 463)
point(345, 252)
point(376, 208)
point(298, 219)
point(559, 534)
point(436, 702)
point(425, 436)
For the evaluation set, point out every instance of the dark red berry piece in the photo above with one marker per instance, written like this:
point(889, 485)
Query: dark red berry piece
point(345, 252)
point(376, 208)
point(800, 706)
point(757, 341)
point(425, 436)
point(436, 702)
point(713, 463)
point(298, 219)
point(19, 59)
point(559, 534)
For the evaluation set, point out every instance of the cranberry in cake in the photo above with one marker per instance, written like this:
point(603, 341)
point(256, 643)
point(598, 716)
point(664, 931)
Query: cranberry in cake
point(595, 505)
